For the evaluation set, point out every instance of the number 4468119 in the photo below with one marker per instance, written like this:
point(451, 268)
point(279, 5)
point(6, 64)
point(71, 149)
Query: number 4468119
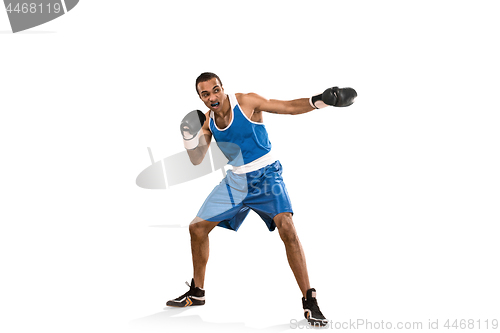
point(471, 324)
point(34, 8)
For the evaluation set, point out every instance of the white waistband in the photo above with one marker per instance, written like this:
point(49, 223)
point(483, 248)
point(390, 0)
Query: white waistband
point(255, 165)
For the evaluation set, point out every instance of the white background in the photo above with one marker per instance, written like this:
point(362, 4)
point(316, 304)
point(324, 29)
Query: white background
point(396, 198)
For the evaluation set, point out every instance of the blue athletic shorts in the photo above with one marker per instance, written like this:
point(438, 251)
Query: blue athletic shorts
point(262, 190)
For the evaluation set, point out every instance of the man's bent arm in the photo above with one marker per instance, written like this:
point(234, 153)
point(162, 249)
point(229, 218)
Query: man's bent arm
point(197, 154)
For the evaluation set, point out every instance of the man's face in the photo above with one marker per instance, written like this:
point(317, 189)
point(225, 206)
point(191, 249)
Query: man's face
point(212, 94)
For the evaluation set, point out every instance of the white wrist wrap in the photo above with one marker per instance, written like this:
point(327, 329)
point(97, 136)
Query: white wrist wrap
point(316, 102)
point(193, 142)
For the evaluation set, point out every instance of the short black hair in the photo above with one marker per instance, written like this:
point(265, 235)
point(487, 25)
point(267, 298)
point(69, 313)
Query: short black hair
point(205, 77)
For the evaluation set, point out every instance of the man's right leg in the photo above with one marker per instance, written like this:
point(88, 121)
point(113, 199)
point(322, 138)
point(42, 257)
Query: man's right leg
point(199, 230)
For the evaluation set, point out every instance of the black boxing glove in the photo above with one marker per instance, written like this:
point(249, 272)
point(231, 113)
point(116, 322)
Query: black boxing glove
point(191, 128)
point(335, 96)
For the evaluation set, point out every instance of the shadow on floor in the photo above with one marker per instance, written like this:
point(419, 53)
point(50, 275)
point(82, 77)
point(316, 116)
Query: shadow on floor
point(177, 318)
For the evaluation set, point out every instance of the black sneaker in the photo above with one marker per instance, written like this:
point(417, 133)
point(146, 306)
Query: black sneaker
point(311, 309)
point(195, 296)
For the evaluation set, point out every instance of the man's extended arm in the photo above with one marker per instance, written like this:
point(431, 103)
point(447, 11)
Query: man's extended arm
point(335, 96)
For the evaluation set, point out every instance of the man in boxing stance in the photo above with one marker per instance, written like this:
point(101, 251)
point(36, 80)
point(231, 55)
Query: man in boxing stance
point(255, 181)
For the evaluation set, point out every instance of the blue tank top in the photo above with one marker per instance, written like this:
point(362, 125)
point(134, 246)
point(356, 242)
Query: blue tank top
point(242, 141)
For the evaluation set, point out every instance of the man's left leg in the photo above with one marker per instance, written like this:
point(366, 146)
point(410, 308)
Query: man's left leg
point(294, 251)
point(297, 262)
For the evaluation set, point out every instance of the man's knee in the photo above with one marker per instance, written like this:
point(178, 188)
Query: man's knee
point(196, 229)
point(283, 220)
point(286, 229)
point(199, 228)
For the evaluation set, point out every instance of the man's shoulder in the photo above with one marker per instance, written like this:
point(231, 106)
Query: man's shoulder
point(246, 95)
point(246, 98)
point(240, 96)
